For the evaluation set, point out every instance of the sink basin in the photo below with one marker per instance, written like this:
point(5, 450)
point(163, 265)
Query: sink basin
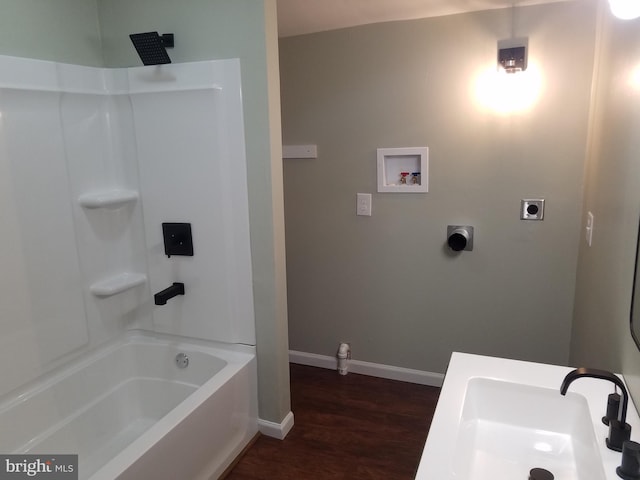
point(497, 419)
point(506, 429)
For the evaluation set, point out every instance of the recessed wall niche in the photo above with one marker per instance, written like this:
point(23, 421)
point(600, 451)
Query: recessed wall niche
point(403, 170)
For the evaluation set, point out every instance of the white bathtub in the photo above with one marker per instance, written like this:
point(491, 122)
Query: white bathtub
point(130, 412)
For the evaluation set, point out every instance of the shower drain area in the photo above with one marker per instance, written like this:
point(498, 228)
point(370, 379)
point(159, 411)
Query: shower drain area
point(182, 360)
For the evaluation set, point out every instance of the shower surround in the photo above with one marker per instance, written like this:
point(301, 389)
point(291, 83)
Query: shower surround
point(92, 162)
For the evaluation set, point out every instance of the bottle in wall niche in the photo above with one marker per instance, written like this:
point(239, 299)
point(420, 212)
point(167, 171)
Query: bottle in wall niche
point(344, 354)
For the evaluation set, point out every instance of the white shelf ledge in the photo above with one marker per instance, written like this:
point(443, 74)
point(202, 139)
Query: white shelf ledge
point(111, 199)
point(117, 284)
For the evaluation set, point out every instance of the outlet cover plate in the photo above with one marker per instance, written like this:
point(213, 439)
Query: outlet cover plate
point(532, 209)
point(363, 206)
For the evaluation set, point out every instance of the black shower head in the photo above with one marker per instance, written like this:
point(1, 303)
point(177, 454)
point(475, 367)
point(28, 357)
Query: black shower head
point(152, 47)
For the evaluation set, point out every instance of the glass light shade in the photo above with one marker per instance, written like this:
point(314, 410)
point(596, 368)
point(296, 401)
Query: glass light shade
point(508, 93)
point(625, 9)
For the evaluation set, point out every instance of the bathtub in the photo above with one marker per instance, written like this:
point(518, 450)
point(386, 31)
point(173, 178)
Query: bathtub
point(131, 412)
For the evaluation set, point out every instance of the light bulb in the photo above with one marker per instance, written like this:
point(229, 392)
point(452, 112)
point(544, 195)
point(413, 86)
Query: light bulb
point(508, 93)
point(625, 9)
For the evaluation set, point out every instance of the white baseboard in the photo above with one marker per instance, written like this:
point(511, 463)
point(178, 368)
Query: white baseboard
point(367, 368)
point(314, 360)
point(276, 430)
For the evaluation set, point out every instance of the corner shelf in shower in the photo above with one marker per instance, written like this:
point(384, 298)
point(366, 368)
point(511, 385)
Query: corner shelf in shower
point(110, 199)
point(117, 284)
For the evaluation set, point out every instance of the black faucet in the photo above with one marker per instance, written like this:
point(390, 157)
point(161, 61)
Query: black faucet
point(619, 429)
point(161, 297)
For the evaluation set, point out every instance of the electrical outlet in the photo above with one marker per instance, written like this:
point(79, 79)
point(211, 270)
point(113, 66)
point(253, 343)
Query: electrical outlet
point(363, 205)
point(589, 228)
point(532, 209)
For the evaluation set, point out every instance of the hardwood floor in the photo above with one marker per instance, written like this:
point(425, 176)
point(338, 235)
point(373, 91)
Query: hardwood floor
point(346, 427)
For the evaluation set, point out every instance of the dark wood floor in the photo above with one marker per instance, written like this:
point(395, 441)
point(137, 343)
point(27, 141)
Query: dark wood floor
point(346, 427)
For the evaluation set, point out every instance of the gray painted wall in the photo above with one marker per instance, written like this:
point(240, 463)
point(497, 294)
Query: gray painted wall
point(386, 283)
point(601, 335)
point(64, 31)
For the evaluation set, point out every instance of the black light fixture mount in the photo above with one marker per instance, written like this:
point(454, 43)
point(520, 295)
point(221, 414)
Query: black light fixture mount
point(512, 55)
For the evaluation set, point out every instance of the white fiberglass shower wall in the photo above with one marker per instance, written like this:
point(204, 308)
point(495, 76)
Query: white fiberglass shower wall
point(192, 169)
point(92, 162)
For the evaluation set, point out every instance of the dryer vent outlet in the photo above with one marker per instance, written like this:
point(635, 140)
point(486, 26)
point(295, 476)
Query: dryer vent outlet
point(460, 237)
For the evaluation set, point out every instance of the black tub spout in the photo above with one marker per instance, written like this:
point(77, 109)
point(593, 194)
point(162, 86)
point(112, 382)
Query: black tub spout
point(161, 298)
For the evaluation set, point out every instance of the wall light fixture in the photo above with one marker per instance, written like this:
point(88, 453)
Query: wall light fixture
point(513, 87)
point(625, 9)
point(512, 55)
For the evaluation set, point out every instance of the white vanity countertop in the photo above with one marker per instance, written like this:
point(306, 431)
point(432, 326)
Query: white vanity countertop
point(441, 445)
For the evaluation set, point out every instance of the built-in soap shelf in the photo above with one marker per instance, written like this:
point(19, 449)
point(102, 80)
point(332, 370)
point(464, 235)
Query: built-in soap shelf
point(403, 170)
point(117, 284)
point(110, 199)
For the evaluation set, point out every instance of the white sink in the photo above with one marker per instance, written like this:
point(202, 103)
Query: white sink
point(506, 429)
point(497, 419)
